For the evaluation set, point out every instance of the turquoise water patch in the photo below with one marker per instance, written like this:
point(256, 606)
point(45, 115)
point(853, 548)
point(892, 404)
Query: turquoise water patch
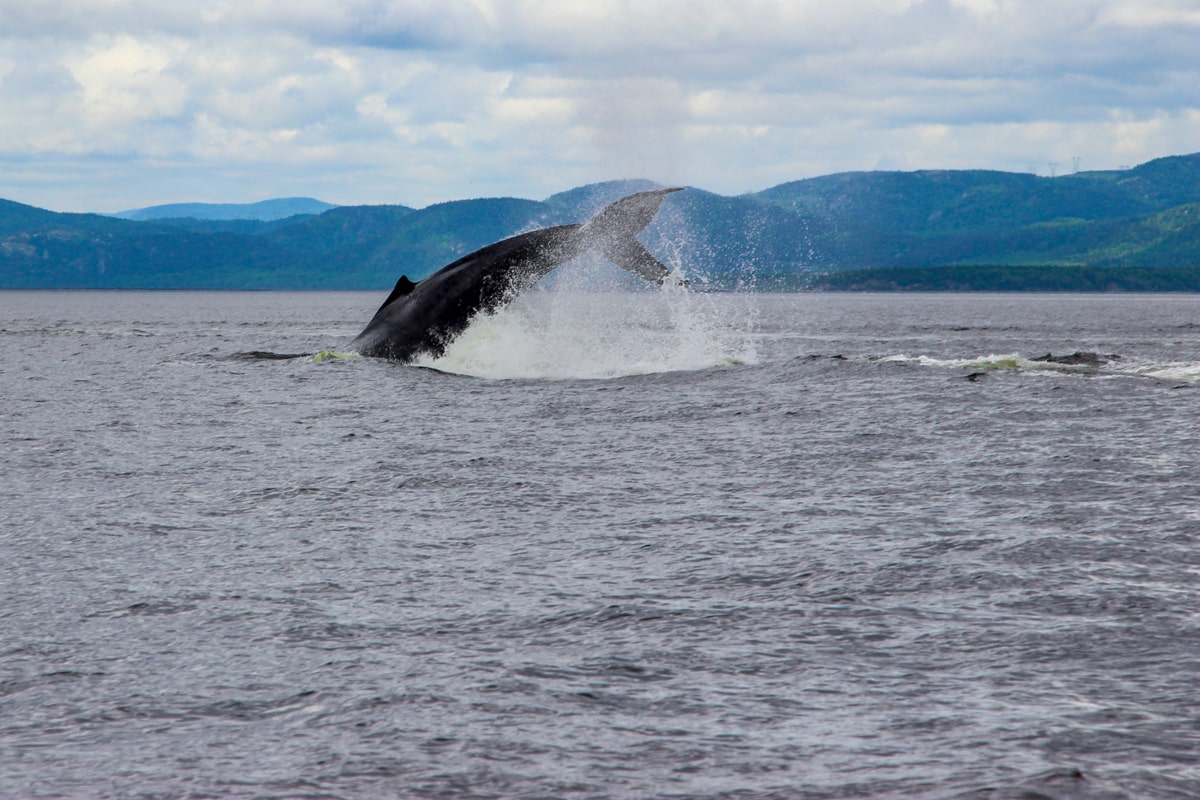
point(333, 355)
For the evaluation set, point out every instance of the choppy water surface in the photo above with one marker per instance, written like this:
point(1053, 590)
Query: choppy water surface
point(609, 546)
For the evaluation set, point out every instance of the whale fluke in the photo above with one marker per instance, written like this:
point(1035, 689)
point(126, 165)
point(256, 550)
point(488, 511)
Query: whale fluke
point(613, 229)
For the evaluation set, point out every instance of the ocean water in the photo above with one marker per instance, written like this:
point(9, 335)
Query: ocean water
point(611, 545)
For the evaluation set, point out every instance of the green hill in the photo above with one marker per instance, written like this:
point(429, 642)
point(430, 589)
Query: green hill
point(953, 201)
point(1128, 229)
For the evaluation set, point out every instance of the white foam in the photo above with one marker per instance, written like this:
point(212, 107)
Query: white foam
point(1188, 372)
point(992, 361)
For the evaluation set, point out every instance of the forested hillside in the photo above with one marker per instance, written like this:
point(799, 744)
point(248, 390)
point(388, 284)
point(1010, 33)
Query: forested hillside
point(1129, 229)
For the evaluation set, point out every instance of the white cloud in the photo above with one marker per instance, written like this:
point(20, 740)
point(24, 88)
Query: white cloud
point(424, 100)
point(124, 80)
point(1151, 14)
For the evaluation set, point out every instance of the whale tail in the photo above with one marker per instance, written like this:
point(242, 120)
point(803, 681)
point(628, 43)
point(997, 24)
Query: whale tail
point(613, 231)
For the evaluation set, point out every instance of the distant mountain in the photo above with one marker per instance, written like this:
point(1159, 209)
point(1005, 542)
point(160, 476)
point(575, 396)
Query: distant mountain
point(265, 210)
point(1135, 229)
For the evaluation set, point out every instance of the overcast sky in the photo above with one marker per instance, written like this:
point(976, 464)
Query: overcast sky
point(113, 104)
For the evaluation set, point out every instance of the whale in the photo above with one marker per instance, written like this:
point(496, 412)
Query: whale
point(422, 318)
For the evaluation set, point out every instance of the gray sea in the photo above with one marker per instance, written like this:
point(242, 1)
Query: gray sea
point(611, 545)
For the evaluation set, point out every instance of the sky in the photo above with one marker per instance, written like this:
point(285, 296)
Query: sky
point(108, 105)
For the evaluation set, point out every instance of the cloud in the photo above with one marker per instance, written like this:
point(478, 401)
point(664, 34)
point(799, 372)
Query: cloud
point(418, 101)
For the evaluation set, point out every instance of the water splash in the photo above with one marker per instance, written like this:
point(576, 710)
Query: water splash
point(572, 333)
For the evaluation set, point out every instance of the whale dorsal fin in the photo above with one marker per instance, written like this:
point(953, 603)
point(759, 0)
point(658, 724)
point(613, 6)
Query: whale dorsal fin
point(403, 287)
